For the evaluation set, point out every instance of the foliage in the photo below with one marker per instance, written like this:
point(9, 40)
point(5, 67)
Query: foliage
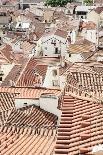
point(88, 2)
point(55, 3)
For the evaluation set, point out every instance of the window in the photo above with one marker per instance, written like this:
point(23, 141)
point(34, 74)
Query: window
point(55, 83)
point(69, 54)
point(19, 24)
point(45, 48)
point(25, 103)
point(56, 50)
point(54, 72)
point(0, 78)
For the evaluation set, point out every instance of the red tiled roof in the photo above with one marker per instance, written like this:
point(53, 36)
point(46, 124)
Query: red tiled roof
point(30, 92)
point(80, 127)
point(6, 101)
point(61, 33)
point(27, 47)
point(4, 116)
point(7, 53)
point(58, 32)
point(28, 77)
point(33, 67)
point(81, 47)
point(88, 25)
point(31, 116)
point(15, 140)
point(99, 9)
point(82, 79)
point(13, 75)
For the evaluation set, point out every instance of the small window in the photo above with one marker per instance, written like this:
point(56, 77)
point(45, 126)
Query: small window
point(69, 54)
point(45, 48)
point(55, 83)
point(25, 103)
point(54, 72)
point(56, 50)
point(0, 78)
point(19, 24)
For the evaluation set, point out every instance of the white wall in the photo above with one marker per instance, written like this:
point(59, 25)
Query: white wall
point(6, 68)
point(19, 103)
point(73, 37)
point(50, 105)
point(48, 49)
point(74, 57)
point(90, 35)
point(93, 16)
point(49, 77)
point(46, 103)
point(62, 81)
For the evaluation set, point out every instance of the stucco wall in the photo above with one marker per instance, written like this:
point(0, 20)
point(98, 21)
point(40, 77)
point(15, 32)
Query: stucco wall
point(50, 105)
point(74, 57)
point(90, 35)
point(62, 82)
point(6, 68)
point(93, 16)
point(47, 103)
point(48, 82)
point(48, 49)
point(19, 103)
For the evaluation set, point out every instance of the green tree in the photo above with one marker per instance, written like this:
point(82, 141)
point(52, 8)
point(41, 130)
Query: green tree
point(88, 2)
point(55, 3)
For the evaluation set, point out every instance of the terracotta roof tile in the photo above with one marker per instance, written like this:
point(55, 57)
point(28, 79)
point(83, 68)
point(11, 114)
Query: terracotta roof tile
point(7, 52)
point(6, 101)
point(30, 92)
point(81, 47)
point(89, 25)
point(13, 75)
point(99, 10)
point(31, 116)
point(83, 132)
point(35, 66)
point(15, 140)
point(27, 47)
point(61, 33)
point(58, 32)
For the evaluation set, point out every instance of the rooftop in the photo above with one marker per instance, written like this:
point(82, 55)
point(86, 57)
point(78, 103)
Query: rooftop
point(81, 47)
point(30, 92)
point(99, 10)
point(80, 128)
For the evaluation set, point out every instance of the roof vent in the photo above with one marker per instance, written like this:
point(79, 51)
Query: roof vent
point(98, 149)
